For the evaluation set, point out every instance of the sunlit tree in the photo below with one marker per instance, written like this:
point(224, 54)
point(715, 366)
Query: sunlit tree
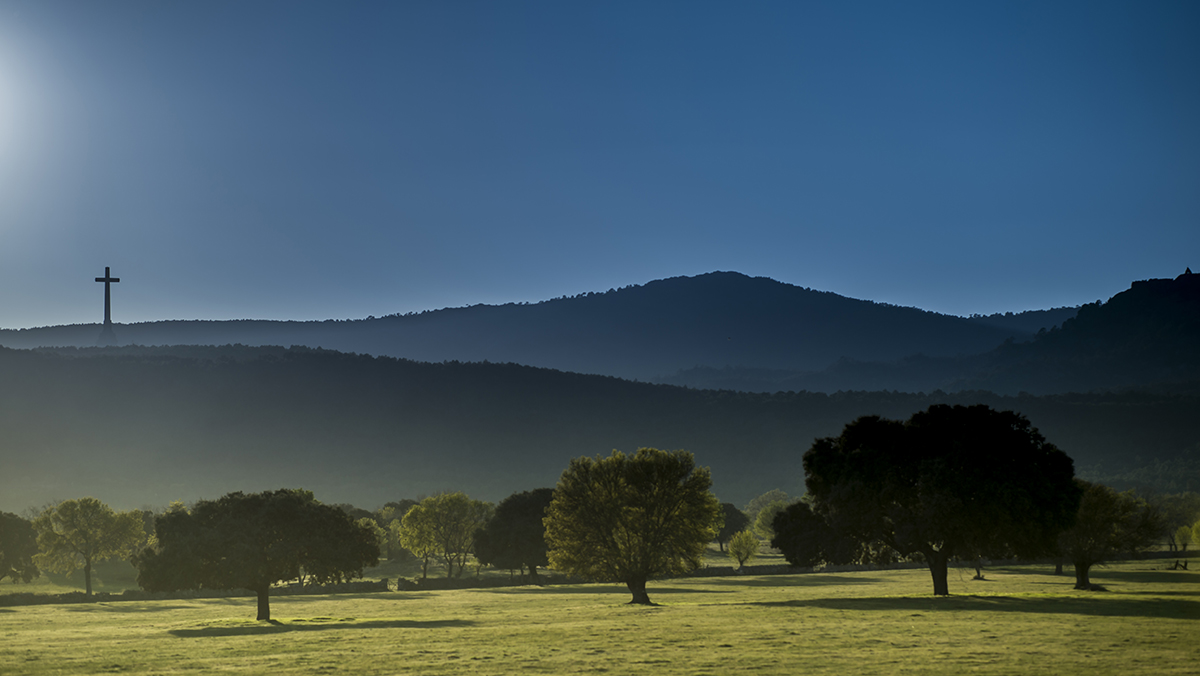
point(445, 525)
point(632, 518)
point(76, 534)
point(743, 547)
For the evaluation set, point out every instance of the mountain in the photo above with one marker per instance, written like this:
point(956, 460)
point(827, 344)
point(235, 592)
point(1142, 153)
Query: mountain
point(143, 426)
point(716, 320)
point(1146, 336)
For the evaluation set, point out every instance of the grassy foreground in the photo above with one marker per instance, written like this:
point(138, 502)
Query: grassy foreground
point(1020, 620)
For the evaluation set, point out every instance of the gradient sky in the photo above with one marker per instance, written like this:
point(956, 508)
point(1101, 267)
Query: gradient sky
point(292, 160)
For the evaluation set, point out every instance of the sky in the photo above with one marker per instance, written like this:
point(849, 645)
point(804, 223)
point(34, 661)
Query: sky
point(314, 160)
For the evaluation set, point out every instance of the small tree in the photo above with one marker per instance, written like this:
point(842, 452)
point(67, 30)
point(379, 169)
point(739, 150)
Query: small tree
point(1108, 522)
point(253, 541)
point(444, 524)
point(743, 547)
point(764, 523)
point(515, 536)
point(78, 533)
point(18, 546)
point(734, 521)
point(631, 518)
point(1183, 535)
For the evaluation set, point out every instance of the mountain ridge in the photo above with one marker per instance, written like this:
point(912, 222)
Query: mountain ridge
point(638, 332)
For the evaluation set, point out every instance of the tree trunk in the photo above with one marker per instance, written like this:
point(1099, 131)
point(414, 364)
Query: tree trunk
point(638, 589)
point(533, 576)
point(1082, 580)
point(937, 569)
point(264, 602)
point(87, 575)
point(1058, 566)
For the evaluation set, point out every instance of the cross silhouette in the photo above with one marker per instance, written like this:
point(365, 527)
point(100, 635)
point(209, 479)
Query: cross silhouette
point(106, 336)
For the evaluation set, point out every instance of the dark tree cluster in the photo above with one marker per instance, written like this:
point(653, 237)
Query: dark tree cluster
point(515, 537)
point(950, 482)
point(18, 546)
point(251, 541)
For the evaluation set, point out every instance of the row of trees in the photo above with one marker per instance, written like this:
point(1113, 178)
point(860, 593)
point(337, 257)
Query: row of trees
point(949, 483)
point(955, 483)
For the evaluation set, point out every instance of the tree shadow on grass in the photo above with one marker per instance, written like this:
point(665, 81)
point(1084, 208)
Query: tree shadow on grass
point(806, 580)
point(123, 607)
point(1098, 604)
point(278, 627)
point(596, 589)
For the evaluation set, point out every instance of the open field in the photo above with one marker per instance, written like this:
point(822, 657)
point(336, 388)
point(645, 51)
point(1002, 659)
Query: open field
point(1020, 620)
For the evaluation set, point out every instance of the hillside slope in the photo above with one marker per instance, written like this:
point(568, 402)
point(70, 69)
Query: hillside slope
point(716, 320)
point(1146, 336)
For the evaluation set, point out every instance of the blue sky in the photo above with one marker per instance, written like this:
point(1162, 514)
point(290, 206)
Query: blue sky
point(294, 160)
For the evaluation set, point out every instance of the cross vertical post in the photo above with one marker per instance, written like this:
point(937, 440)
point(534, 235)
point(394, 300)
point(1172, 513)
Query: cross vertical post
point(107, 337)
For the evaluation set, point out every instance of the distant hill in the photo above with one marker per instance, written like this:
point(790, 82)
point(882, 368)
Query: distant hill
point(144, 426)
point(716, 320)
point(1146, 336)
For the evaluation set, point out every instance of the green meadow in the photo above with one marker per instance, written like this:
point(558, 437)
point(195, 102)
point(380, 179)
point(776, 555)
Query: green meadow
point(1020, 620)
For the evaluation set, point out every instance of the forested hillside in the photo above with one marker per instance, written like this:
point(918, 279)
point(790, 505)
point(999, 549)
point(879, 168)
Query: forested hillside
point(641, 332)
point(1146, 336)
point(143, 426)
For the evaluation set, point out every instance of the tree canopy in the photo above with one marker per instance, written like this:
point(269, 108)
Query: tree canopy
point(960, 481)
point(515, 536)
point(1108, 522)
point(251, 541)
point(631, 518)
point(78, 533)
point(444, 524)
point(18, 546)
point(743, 547)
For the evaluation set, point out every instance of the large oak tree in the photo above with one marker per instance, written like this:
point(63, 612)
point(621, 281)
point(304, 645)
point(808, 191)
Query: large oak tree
point(961, 481)
point(632, 518)
point(251, 541)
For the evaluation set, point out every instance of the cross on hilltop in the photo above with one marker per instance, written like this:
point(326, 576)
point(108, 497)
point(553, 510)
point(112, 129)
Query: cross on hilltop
point(107, 337)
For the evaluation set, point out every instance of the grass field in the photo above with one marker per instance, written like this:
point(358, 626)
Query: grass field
point(1021, 620)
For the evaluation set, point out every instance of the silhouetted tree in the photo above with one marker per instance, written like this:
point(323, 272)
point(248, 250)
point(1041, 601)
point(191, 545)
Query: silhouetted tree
point(515, 536)
point(79, 533)
point(631, 518)
point(445, 524)
point(735, 521)
point(253, 541)
point(950, 482)
point(18, 546)
point(1108, 522)
point(806, 539)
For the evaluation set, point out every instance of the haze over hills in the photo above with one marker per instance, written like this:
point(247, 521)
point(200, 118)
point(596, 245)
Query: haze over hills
point(146, 425)
point(143, 426)
point(716, 320)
